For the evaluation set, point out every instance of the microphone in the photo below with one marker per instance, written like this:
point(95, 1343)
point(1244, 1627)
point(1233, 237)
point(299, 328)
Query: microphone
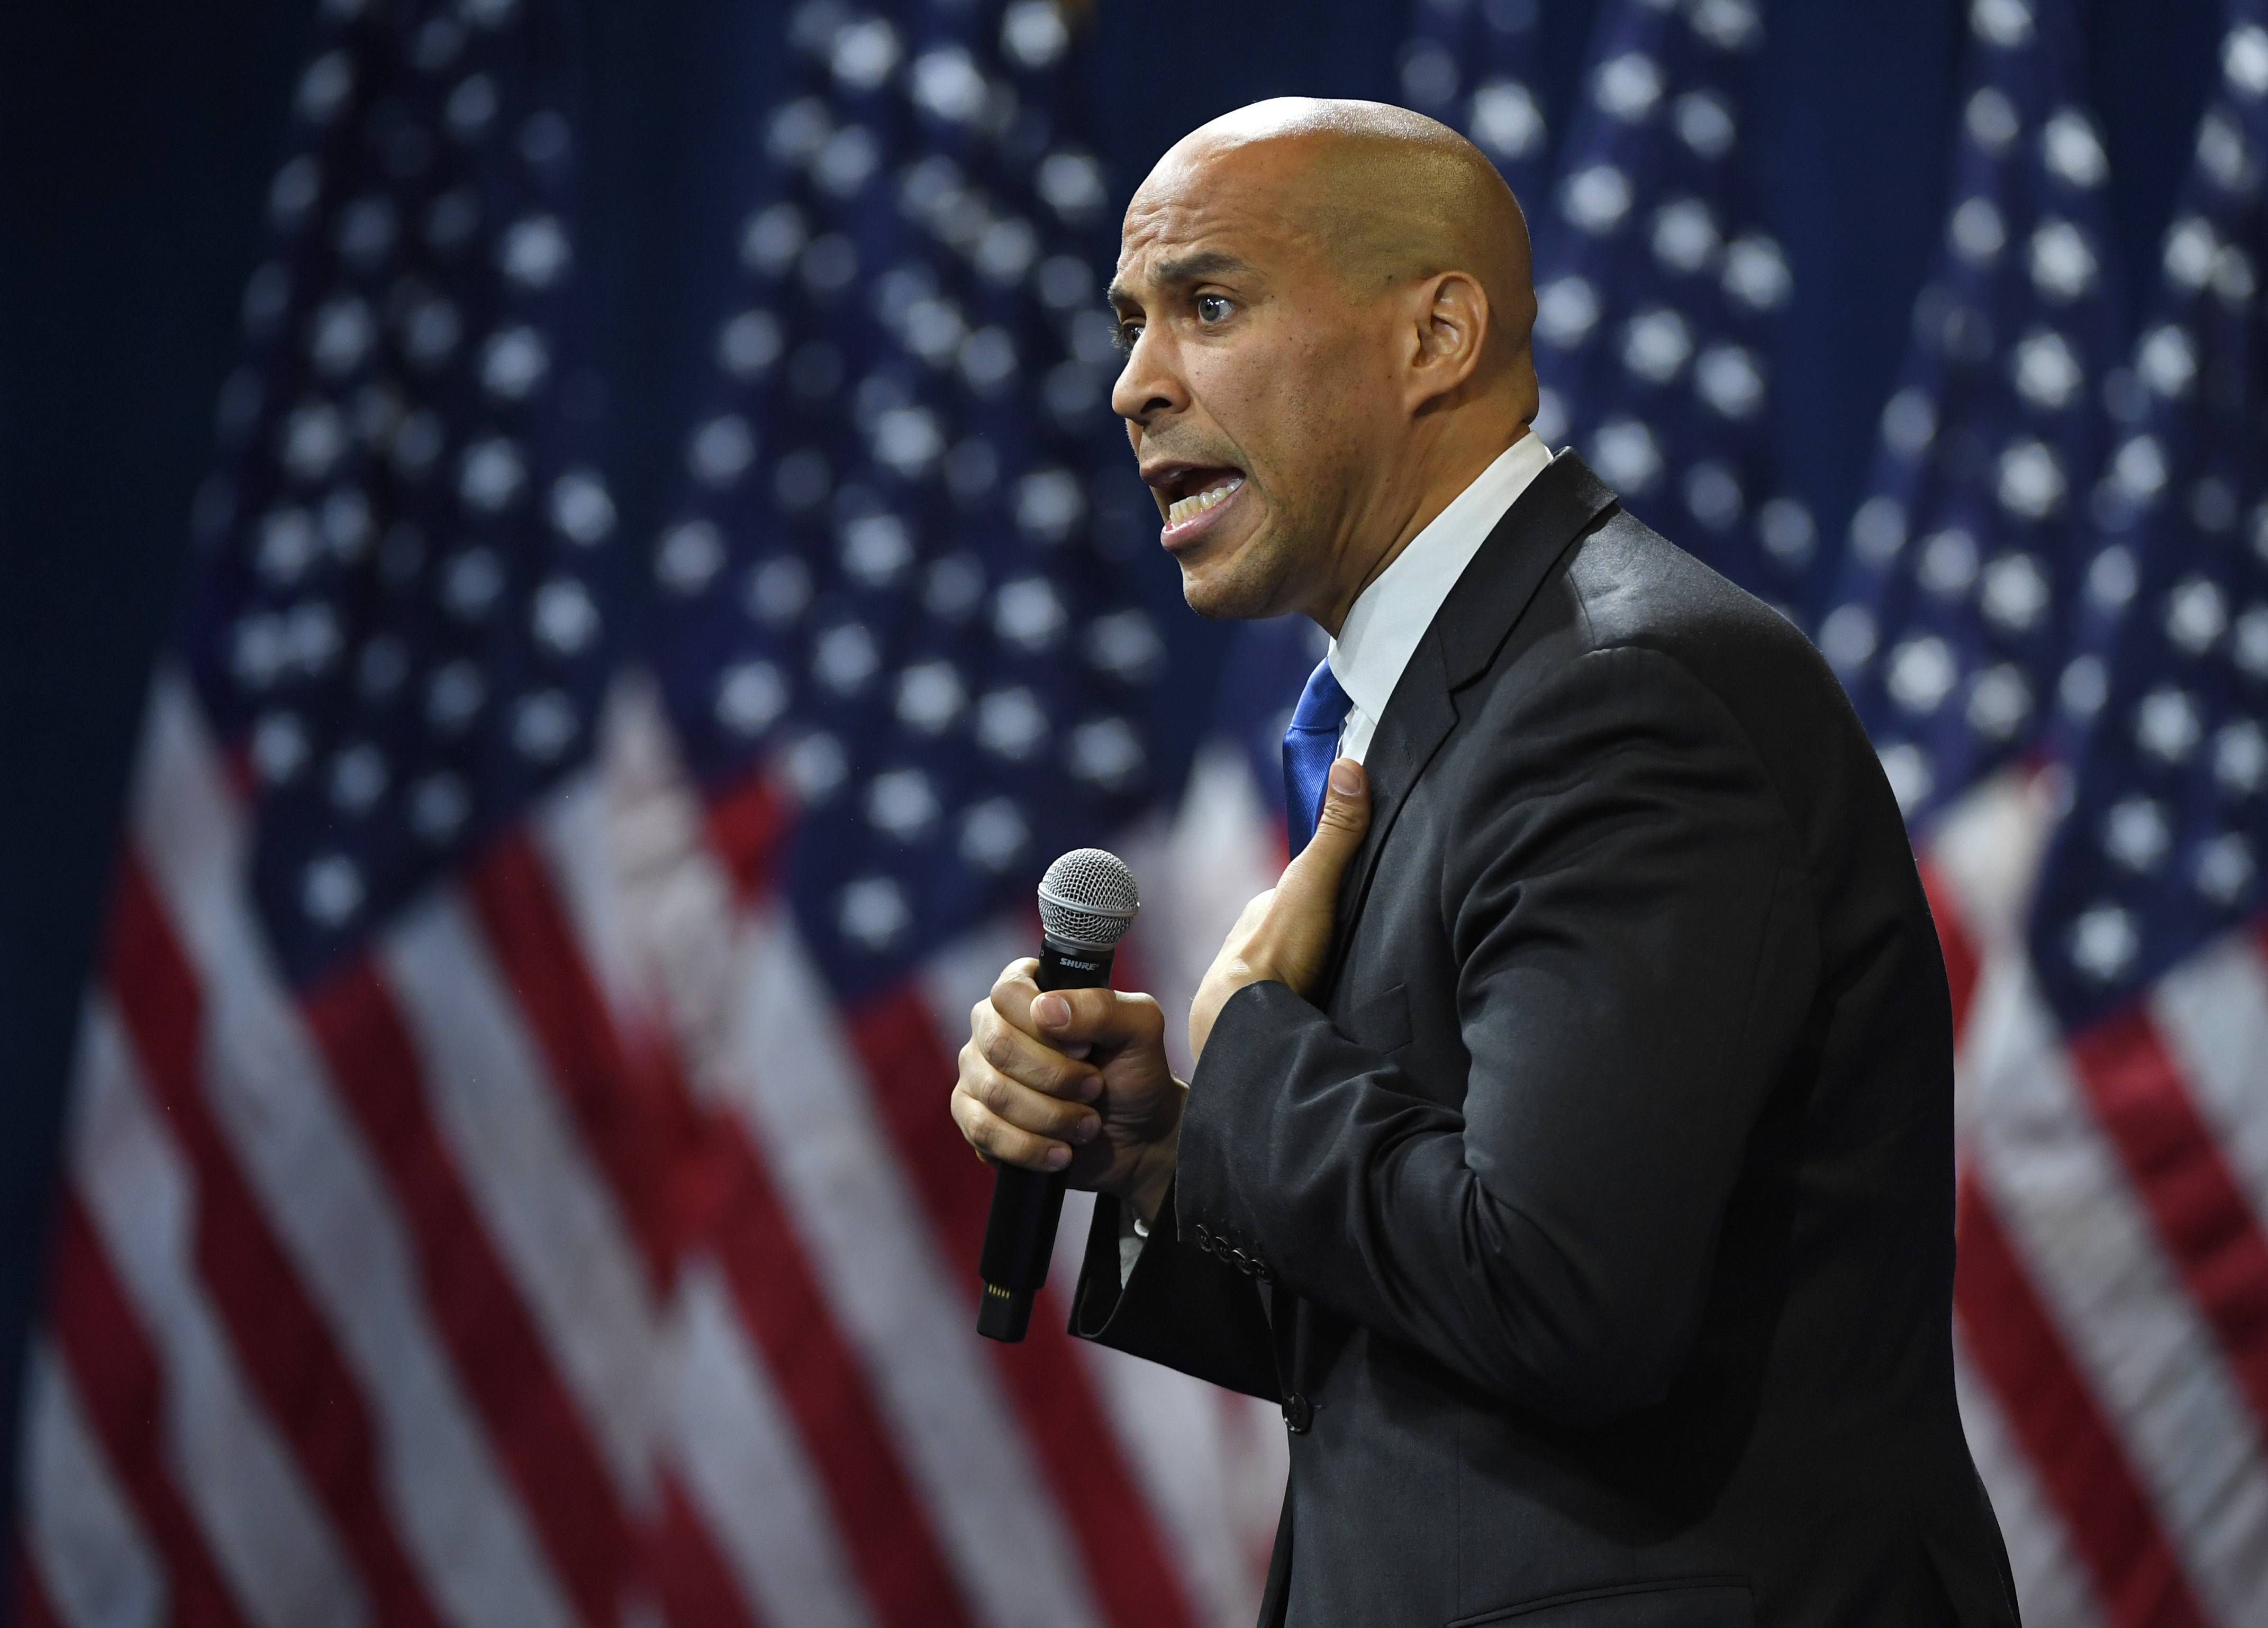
point(1086, 903)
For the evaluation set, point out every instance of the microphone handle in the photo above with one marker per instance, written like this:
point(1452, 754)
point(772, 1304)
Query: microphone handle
point(1019, 1234)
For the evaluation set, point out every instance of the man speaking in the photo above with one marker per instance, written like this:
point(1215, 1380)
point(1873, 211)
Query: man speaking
point(1570, 1148)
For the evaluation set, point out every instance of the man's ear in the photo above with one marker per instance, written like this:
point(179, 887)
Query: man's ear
point(1452, 312)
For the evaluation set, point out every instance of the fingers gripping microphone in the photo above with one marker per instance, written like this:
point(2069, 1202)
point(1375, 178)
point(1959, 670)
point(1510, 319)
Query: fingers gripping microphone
point(1086, 903)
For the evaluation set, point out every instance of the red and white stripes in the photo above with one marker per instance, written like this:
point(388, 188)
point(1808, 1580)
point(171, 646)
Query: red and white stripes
point(2112, 1298)
point(570, 1258)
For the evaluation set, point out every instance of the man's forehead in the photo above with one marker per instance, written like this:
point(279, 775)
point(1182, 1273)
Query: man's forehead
point(1210, 215)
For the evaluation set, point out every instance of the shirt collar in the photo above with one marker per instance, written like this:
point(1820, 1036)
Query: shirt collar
point(1383, 626)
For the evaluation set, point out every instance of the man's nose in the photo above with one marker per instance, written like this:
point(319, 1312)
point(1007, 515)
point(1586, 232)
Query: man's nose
point(1148, 385)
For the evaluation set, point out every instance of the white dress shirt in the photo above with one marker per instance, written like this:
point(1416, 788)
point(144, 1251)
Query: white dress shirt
point(1382, 632)
point(1382, 629)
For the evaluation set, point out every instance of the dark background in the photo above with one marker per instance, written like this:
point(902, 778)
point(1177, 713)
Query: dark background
point(137, 143)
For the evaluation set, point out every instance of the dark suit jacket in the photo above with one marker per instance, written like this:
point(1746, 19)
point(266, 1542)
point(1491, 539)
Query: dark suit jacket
point(1595, 1222)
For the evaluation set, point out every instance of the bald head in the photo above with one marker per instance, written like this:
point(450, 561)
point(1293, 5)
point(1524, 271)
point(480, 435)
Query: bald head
point(1382, 194)
point(1326, 306)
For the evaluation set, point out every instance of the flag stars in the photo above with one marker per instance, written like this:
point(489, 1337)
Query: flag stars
point(2072, 151)
point(1010, 724)
point(690, 553)
point(279, 747)
point(1624, 453)
point(1656, 345)
point(1595, 199)
point(1506, 122)
point(535, 252)
point(1027, 614)
point(774, 236)
point(2063, 264)
point(1991, 119)
point(1730, 379)
point(902, 803)
point(493, 474)
point(565, 619)
point(2251, 647)
point(1756, 274)
point(2104, 942)
point(2166, 360)
point(2136, 834)
point(454, 697)
point(582, 511)
point(993, 834)
point(1108, 754)
point(438, 808)
point(721, 451)
point(513, 362)
point(2167, 726)
point(1627, 86)
point(2031, 485)
point(1977, 231)
point(315, 437)
point(359, 776)
point(2239, 758)
point(1703, 121)
point(844, 658)
point(1567, 308)
point(931, 696)
point(873, 912)
point(2195, 615)
point(1922, 673)
point(2046, 372)
point(331, 890)
point(2016, 593)
point(751, 695)
point(776, 590)
point(342, 335)
point(1999, 702)
point(2224, 869)
point(1685, 236)
point(543, 725)
point(1949, 563)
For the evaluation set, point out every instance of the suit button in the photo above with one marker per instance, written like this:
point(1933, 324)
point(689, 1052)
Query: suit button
point(1299, 1414)
point(1240, 1261)
point(1205, 1238)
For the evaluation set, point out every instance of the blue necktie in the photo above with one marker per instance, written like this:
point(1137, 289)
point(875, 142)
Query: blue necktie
point(1310, 746)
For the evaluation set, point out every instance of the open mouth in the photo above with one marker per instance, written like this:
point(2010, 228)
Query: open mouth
point(1195, 499)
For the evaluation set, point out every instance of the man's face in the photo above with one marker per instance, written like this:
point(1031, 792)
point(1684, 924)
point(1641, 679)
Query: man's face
point(1255, 387)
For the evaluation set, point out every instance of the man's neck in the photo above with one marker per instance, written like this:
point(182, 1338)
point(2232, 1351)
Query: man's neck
point(1417, 513)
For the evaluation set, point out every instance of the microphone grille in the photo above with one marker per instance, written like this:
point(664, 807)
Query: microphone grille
point(1087, 898)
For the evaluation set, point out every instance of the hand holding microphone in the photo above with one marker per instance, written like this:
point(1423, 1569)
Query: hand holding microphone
point(1066, 1082)
point(1064, 1079)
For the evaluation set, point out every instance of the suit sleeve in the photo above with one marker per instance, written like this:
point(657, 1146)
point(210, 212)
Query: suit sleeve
point(1179, 1306)
point(1630, 919)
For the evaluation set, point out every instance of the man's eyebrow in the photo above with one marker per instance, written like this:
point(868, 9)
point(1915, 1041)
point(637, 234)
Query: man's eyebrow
point(1180, 273)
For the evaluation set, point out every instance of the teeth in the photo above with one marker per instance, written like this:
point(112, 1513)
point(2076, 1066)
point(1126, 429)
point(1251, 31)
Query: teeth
point(1188, 508)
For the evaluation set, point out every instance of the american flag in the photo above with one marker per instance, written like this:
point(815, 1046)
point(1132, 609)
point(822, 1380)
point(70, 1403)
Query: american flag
point(2114, 1265)
point(1656, 286)
point(509, 1179)
point(1474, 64)
point(1951, 621)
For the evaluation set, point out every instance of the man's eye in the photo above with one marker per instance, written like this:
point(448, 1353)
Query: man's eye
point(1212, 309)
point(1128, 333)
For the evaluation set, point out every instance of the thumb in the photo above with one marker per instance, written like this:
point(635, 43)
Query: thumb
point(1340, 829)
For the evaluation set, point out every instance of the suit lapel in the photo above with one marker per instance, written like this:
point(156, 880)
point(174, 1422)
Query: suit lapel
point(1471, 626)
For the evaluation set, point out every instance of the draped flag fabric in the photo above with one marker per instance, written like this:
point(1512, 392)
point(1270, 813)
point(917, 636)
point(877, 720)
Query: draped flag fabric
point(1951, 623)
point(1656, 286)
point(1473, 64)
point(509, 1179)
point(2114, 1194)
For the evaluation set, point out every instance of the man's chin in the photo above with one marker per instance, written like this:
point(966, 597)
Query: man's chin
point(1226, 595)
